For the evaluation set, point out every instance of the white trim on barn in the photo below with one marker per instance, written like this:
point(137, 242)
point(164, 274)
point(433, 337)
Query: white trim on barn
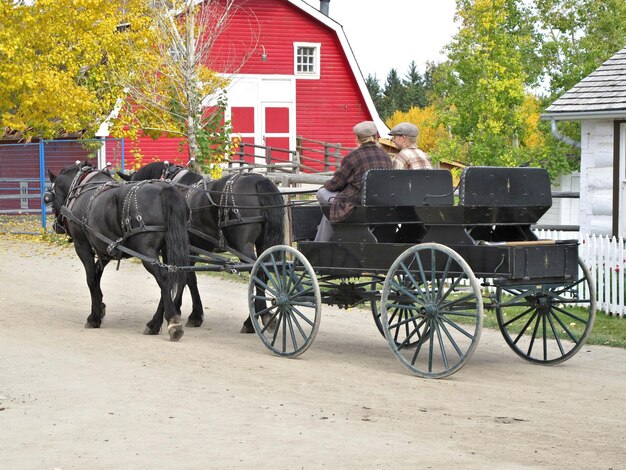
point(259, 92)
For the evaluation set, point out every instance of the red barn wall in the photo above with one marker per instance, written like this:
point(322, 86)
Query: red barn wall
point(326, 108)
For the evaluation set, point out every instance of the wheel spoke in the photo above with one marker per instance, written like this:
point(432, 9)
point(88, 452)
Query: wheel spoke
point(259, 282)
point(555, 332)
point(292, 334)
point(523, 314)
point(457, 327)
point(564, 326)
point(303, 316)
point(442, 347)
point(521, 333)
point(533, 336)
point(451, 339)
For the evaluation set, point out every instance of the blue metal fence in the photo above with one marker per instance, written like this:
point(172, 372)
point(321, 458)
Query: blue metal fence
point(24, 169)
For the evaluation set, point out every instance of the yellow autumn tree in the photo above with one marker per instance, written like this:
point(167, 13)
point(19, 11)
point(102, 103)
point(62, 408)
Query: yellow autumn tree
point(56, 57)
point(431, 132)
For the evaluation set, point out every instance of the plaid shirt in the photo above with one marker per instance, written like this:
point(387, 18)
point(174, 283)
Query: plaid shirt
point(411, 158)
point(347, 180)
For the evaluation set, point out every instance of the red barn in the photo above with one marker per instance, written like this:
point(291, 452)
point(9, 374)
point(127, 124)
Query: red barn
point(302, 79)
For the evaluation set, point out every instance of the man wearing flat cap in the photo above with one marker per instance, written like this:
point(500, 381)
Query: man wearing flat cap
point(343, 191)
point(404, 136)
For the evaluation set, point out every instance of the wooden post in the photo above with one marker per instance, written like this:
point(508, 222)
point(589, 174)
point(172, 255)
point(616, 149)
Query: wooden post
point(268, 156)
point(337, 156)
point(326, 157)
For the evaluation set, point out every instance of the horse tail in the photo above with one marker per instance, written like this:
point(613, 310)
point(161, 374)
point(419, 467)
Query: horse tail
point(176, 237)
point(273, 210)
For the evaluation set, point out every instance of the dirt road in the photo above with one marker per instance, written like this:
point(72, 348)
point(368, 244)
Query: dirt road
point(72, 398)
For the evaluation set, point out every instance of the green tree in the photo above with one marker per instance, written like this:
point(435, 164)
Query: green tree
point(375, 91)
point(578, 36)
point(393, 94)
point(482, 84)
point(415, 93)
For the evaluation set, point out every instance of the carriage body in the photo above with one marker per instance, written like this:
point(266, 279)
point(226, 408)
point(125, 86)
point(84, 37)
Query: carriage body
point(489, 225)
point(428, 263)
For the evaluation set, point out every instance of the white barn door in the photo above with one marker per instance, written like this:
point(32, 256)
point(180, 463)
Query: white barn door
point(262, 111)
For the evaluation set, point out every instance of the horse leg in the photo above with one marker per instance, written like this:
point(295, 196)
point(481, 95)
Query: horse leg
point(197, 315)
point(93, 272)
point(260, 293)
point(168, 310)
point(153, 327)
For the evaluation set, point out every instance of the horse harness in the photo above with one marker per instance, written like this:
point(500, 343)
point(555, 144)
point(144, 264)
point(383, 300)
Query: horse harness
point(130, 214)
point(227, 211)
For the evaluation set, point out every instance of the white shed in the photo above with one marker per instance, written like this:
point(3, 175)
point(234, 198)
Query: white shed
point(599, 103)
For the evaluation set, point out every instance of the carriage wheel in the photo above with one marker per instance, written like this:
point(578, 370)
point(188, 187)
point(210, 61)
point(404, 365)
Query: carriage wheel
point(432, 297)
point(547, 323)
point(284, 300)
point(400, 334)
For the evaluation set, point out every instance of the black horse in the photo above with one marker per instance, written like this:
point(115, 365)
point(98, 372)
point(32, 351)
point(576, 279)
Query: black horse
point(241, 213)
point(109, 220)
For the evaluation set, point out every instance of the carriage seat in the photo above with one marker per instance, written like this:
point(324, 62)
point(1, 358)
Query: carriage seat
point(388, 198)
point(495, 204)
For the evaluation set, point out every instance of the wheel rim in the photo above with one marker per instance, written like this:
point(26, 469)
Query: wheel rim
point(547, 323)
point(284, 301)
point(432, 295)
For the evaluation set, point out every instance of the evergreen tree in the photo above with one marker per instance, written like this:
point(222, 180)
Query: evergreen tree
point(393, 94)
point(375, 91)
point(415, 93)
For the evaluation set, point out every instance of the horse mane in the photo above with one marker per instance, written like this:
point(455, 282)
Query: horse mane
point(156, 170)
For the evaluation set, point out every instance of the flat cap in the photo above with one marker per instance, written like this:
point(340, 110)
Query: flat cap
point(365, 129)
point(405, 128)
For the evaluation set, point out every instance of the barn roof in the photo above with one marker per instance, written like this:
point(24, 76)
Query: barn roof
point(602, 94)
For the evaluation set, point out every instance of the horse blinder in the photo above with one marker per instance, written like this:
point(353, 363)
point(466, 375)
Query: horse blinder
point(48, 197)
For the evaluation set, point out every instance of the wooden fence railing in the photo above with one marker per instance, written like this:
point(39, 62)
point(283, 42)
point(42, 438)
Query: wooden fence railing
point(310, 156)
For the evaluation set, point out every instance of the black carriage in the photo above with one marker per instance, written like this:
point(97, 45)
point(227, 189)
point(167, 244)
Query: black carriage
point(429, 262)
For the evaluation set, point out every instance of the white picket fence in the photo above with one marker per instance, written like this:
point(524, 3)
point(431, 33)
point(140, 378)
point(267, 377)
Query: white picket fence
point(606, 259)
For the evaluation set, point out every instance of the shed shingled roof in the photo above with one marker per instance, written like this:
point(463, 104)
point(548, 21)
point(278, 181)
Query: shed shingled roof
point(603, 91)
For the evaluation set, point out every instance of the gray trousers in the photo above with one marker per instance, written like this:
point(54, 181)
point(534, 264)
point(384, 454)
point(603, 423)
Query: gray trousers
point(325, 229)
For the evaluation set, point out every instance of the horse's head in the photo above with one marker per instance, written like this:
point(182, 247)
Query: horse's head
point(61, 186)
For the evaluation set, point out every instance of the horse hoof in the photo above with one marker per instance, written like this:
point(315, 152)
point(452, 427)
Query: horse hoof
point(246, 329)
point(90, 325)
point(193, 322)
point(176, 331)
point(149, 331)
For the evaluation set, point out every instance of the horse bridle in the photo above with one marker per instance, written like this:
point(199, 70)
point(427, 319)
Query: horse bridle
point(60, 223)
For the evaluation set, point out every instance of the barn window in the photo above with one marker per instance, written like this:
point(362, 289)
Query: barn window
point(307, 59)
